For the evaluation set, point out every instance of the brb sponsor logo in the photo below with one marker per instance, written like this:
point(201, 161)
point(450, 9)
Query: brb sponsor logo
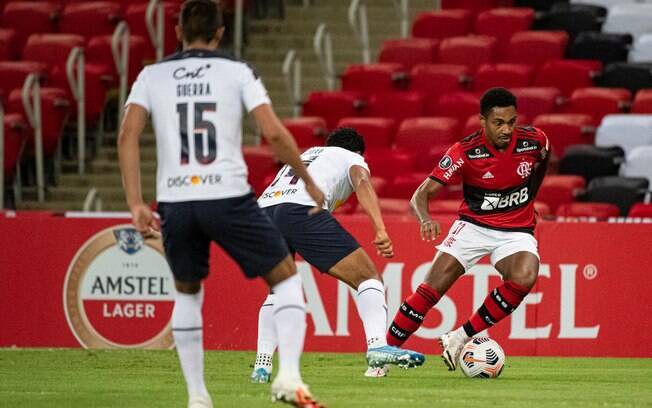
point(496, 201)
point(119, 292)
point(279, 194)
point(194, 180)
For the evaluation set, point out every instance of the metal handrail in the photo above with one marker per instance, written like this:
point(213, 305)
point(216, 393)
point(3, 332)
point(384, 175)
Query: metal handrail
point(120, 49)
point(31, 98)
point(237, 28)
point(92, 200)
point(403, 9)
point(156, 29)
point(360, 28)
point(75, 71)
point(323, 46)
point(292, 75)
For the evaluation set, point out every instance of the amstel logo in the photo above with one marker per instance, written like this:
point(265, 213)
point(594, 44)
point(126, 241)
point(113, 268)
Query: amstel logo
point(119, 292)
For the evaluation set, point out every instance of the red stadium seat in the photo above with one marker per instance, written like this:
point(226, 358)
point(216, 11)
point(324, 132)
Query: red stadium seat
point(333, 106)
point(99, 52)
point(566, 129)
point(90, 19)
point(418, 133)
point(261, 163)
point(459, 105)
point(55, 106)
point(404, 185)
point(8, 49)
point(640, 210)
point(13, 74)
point(135, 17)
point(392, 206)
point(26, 18)
point(369, 78)
point(560, 189)
point(438, 79)
point(536, 47)
point(534, 101)
point(600, 211)
point(598, 102)
point(504, 75)
point(389, 163)
point(396, 105)
point(409, 51)
point(426, 161)
point(442, 23)
point(377, 132)
point(542, 209)
point(642, 101)
point(53, 49)
point(502, 23)
point(475, 5)
point(568, 75)
point(471, 50)
point(14, 142)
point(445, 206)
point(307, 130)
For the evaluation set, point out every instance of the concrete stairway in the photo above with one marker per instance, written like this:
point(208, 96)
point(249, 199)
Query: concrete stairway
point(268, 42)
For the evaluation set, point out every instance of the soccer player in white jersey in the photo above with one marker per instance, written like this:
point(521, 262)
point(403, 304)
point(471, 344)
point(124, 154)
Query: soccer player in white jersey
point(338, 169)
point(195, 98)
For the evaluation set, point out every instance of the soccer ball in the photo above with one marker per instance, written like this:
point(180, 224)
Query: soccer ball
point(482, 357)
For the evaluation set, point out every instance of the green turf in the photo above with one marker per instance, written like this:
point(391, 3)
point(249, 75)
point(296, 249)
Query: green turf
point(79, 378)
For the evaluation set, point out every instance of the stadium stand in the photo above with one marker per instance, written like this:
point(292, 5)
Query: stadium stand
point(604, 47)
point(590, 161)
point(638, 163)
point(632, 18)
point(627, 131)
point(640, 210)
point(307, 131)
point(378, 132)
point(568, 75)
point(620, 191)
point(599, 211)
point(442, 23)
point(333, 105)
point(566, 129)
point(642, 101)
point(633, 76)
point(415, 133)
point(505, 75)
point(396, 105)
point(598, 102)
point(642, 50)
point(438, 79)
point(535, 101)
point(369, 78)
point(550, 45)
point(560, 189)
point(572, 20)
point(409, 52)
point(471, 51)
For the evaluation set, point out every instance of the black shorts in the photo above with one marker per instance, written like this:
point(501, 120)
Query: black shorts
point(319, 238)
point(237, 224)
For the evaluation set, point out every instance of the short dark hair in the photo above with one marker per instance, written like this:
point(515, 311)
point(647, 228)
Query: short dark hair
point(199, 20)
point(496, 97)
point(346, 138)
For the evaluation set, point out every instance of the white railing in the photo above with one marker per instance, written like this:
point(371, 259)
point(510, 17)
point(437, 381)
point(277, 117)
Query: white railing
point(292, 75)
point(31, 98)
point(237, 28)
point(403, 10)
point(358, 23)
point(75, 71)
point(93, 201)
point(323, 46)
point(154, 19)
point(120, 49)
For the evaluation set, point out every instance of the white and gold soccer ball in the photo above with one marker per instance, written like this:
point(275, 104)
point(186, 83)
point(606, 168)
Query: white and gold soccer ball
point(482, 357)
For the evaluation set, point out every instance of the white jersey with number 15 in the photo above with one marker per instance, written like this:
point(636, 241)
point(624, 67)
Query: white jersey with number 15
point(196, 100)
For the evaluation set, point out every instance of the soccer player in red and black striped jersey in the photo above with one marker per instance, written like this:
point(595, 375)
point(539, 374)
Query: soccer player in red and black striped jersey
point(501, 168)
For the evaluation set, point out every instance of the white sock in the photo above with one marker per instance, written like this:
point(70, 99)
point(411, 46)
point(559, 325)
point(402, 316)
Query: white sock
point(461, 333)
point(290, 321)
point(188, 334)
point(267, 339)
point(373, 312)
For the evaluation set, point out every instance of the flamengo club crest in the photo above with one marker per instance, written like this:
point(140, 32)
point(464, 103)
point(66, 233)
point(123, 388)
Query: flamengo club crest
point(119, 292)
point(524, 169)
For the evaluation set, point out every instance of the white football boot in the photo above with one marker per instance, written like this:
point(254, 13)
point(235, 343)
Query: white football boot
point(451, 345)
point(293, 392)
point(200, 401)
point(377, 372)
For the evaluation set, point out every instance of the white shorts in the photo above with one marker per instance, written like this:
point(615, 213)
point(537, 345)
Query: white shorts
point(469, 242)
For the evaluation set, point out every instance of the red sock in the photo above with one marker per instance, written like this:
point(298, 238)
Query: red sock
point(411, 314)
point(499, 304)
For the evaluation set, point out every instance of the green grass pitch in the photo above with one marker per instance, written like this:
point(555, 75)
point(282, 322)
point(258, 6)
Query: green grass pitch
point(81, 378)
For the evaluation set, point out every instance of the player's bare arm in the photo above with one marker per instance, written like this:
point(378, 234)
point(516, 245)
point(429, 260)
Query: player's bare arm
point(286, 149)
point(131, 128)
point(368, 199)
point(429, 228)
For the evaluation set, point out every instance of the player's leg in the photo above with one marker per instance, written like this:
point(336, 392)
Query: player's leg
point(266, 343)
point(517, 260)
point(187, 251)
point(243, 230)
point(519, 272)
point(358, 271)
